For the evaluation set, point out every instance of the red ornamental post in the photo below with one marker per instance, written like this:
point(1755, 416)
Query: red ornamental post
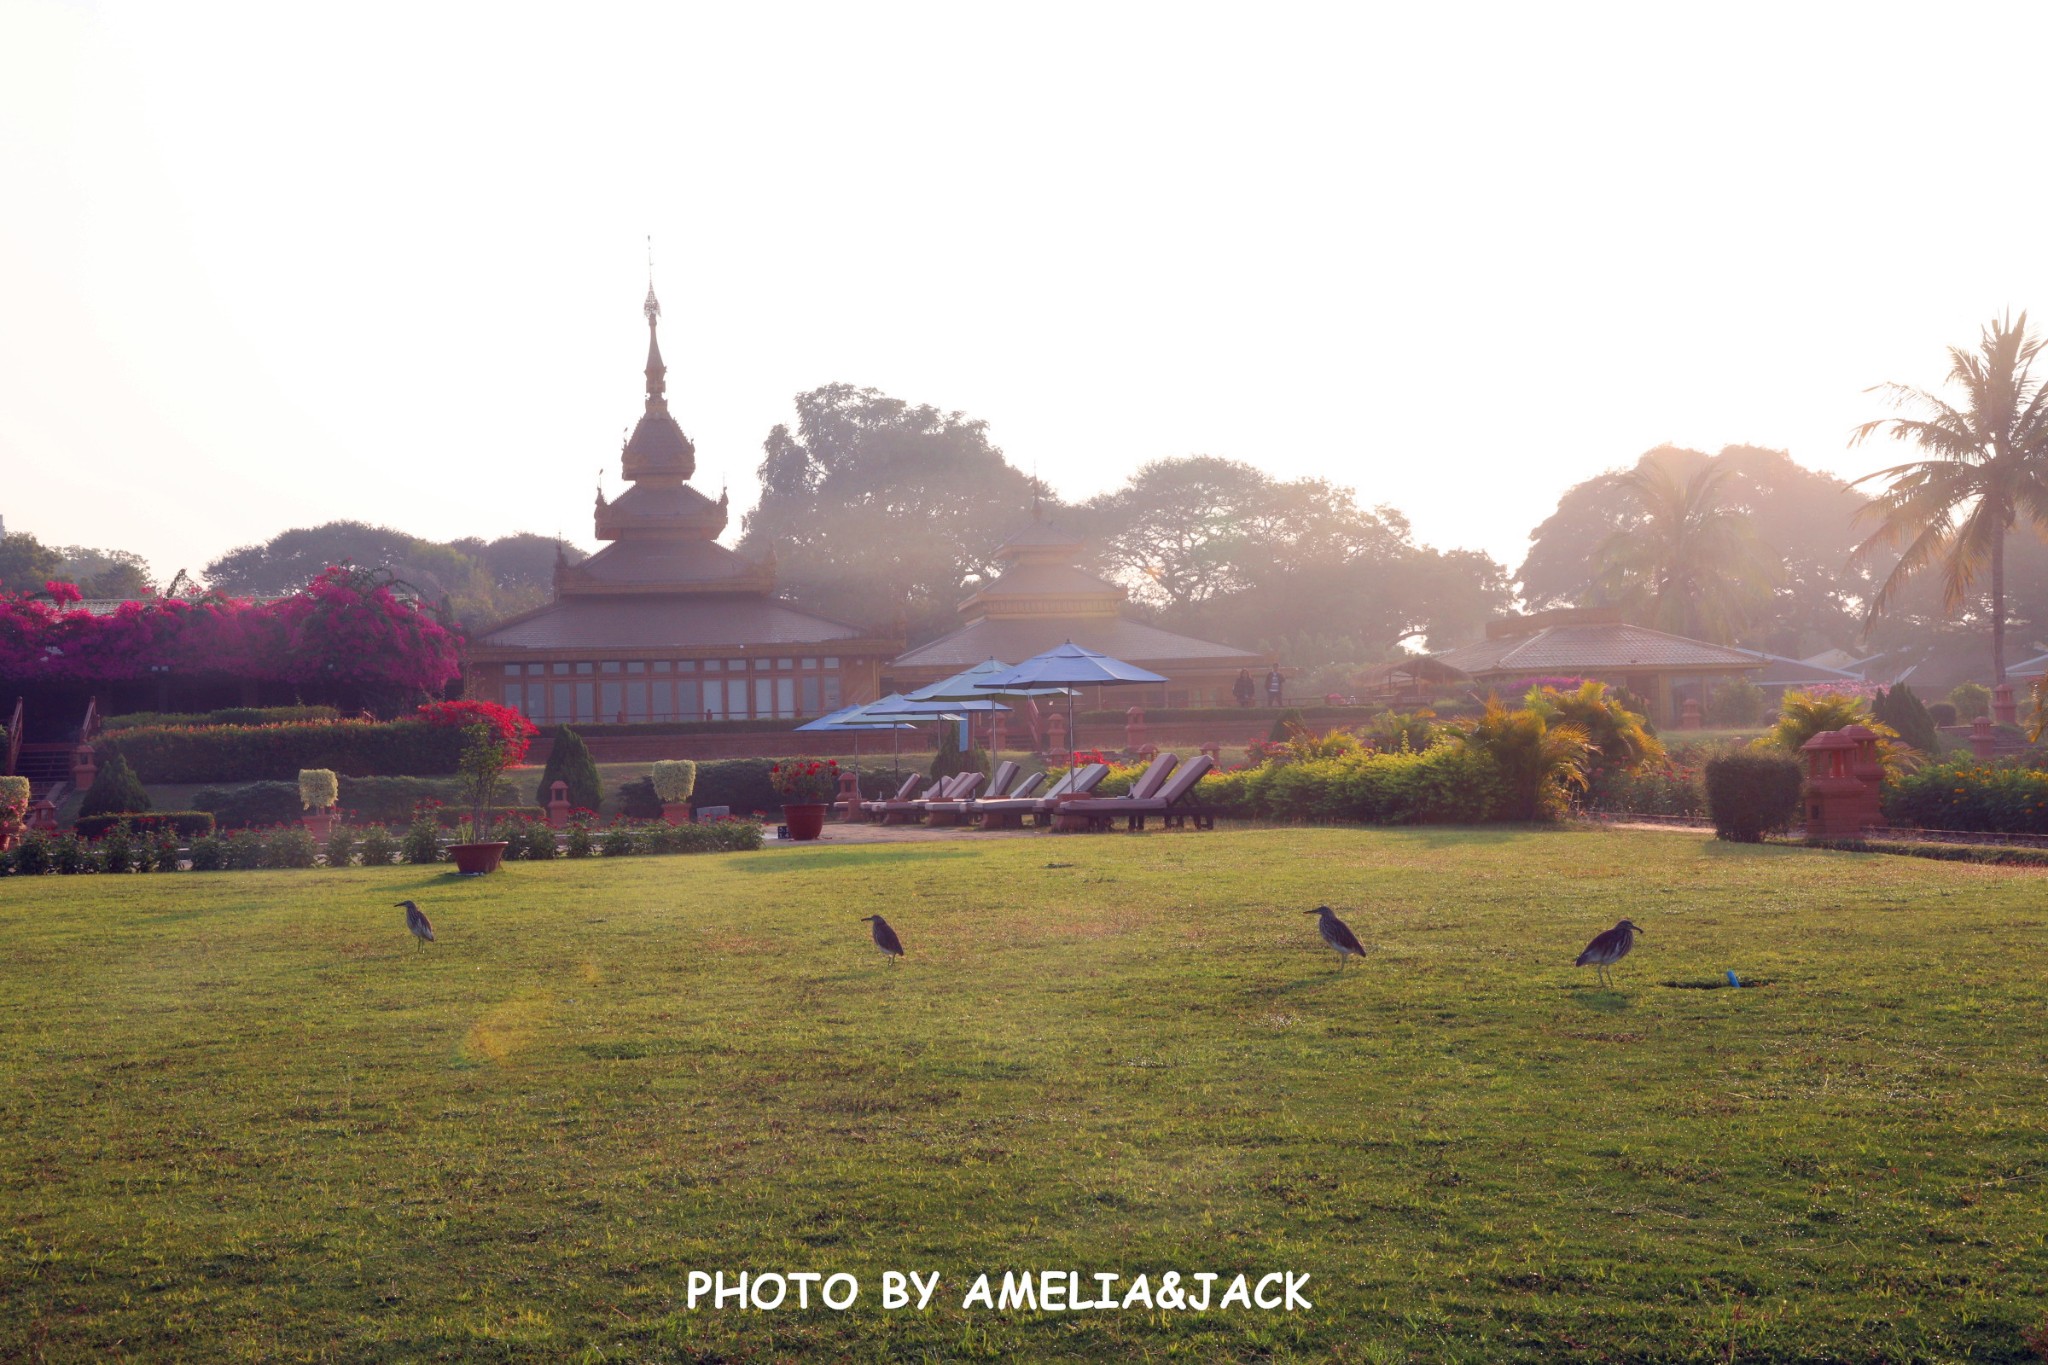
point(1844, 779)
point(1983, 744)
point(558, 806)
point(2004, 709)
point(1134, 729)
point(1057, 728)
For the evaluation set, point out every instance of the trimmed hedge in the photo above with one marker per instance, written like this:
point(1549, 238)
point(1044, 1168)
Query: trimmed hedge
point(242, 753)
point(1750, 794)
point(114, 790)
point(251, 804)
point(1967, 794)
point(187, 824)
point(1445, 784)
point(232, 715)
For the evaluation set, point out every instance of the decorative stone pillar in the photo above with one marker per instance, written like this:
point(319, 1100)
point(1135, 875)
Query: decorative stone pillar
point(1844, 781)
point(1983, 744)
point(558, 806)
point(1690, 716)
point(1215, 752)
point(848, 798)
point(84, 767)
point(1134, 729)
point(1057, 728)
point(2004, 709)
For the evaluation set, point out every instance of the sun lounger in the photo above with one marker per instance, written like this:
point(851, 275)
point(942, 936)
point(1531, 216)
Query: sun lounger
point(958, 787)
point(948, 811)
point(1097, 813)
point(962, 811)
point(873, 809)
point(1008, 812)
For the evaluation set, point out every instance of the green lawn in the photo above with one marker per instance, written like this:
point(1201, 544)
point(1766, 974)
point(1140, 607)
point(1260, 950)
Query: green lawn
point(244, 1119)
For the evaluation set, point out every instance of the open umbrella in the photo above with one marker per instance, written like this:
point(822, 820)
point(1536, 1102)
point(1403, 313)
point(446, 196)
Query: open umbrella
point(898, 707)
point(1069, 666)
point(967, 686)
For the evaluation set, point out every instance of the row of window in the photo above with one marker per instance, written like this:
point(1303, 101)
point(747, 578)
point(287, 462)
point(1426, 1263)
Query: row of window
point(643, 690)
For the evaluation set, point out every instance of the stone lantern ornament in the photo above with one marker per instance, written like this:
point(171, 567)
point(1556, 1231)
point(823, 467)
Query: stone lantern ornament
point(1844, 781)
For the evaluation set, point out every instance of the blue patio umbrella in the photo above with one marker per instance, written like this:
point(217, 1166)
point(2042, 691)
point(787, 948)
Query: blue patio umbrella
point(1069, 666)
point(853, 720)
point(898, 707)
point(966, 686)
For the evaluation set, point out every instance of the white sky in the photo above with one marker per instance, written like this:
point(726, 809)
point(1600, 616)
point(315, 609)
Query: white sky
point(267, 265)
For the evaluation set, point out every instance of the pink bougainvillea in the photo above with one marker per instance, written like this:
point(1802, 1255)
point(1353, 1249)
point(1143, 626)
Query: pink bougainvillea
point(346, 626)
point(516, 730)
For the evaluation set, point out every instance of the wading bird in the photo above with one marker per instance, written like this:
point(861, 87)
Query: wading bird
point(885, 937)
point(1337, 934)
point(1609, 948)
point(416, 922)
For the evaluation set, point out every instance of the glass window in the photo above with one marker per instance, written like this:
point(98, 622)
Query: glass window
point(831, 663)
point(811, 695)
point(735, 665)
point(785, 698)
point(561, 668)
point(713, 665)
point(586, 701)
point(686, 665)
point(636, 666)
point(611, 702)
point(687, 705)
point(736, 698)
point(535, 670)
point(832, 702)
point(563, 708)
point(661, 665)
point(610, 666)
point(784, 665)
point(714, 700)
point(583, 668)
point(764, 698)
point(810, 663)
point(511, 670)
point(636, 701)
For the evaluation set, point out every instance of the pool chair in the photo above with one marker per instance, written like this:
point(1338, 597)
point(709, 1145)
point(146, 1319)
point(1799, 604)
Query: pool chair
point(1161, 798)
point(873, 809)
point(1017, 800)
point(948, 811)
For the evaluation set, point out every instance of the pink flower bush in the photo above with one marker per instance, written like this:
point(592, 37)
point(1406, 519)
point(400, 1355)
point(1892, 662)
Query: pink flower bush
point(346, 626)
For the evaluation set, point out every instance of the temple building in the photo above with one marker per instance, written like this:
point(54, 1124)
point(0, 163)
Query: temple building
point(1042, 598)
point(664, 623)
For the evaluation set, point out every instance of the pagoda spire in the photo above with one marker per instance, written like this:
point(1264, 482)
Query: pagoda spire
point(657, 371)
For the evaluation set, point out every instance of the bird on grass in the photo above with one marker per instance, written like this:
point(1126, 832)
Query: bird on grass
point(1337, 934)
point(885, 937)
point(1609, 948)
point(417, 922)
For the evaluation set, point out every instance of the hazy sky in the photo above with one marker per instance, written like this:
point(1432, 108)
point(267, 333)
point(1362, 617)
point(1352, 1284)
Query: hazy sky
point(271, 264)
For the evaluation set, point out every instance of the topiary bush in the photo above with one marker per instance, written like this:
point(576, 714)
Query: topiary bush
point(1753, 793)
point(240, 753)
point(673, 779)
point(570, 761)
point(1944, 713)
point(1901, 710)
point(638, 800)
point(115, 790)
point(188, 823)
point(1971, 700)
point(1966, 794)
point(1737, 704)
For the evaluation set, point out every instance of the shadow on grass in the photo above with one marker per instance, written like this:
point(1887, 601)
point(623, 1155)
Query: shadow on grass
point(1602, 1000)
point(848, 857)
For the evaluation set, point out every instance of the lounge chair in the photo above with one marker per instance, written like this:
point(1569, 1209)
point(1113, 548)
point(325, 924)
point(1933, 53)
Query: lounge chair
point(958, 787)
point(948, 811)
point(1098, 813)
point(1009, 812)
point(1021, 794)
point(873, 809)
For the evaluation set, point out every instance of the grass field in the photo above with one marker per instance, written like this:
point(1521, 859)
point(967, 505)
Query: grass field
point(245, 1120)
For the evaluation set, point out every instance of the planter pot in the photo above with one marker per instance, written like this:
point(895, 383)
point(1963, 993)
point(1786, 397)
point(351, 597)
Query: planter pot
point(473, 860)
point(319, 824)
point(806, 819)
point(676, 812)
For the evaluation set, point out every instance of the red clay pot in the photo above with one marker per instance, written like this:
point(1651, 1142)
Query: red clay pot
point(806, 819)
point(473, 860)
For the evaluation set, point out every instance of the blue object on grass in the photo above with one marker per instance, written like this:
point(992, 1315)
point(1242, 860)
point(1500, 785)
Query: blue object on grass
point(1731, 977)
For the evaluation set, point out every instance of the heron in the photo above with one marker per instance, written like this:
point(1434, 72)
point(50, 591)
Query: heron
point(885, 937)
point(417, 922)
point(1337, 934)
point(1609, 948)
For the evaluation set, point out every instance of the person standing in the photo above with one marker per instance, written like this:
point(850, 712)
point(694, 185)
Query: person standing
point(1242, 689)
point(1273, 688)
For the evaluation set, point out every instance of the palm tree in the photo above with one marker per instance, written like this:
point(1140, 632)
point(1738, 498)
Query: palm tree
point(1986, 466)
point(1691, 562)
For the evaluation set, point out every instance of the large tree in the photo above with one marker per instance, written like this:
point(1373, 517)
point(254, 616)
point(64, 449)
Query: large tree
point(26, 563)
point(479, 581)
point(1800, 518)
point(1983, 471)
point(106, 573)
point(1220, 548)
point(1691, 562)
point(876, 508)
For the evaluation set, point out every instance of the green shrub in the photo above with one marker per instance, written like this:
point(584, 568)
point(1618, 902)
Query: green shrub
point(31, 856)
point(1751, 793)
point(1665, 789)
point(71, 855)
point(290, 847)
point(715, 836)
point(1737, 704)
point(1944, 713)
point(117, 850)
point(1901, 710)
point(638, 800)
point(243, 753)
point(161, 850)
point(742, 784)
point(246, 850)
point(341, 846)
point(1285, 724)
point(208, 853)
point(1802, 715)
point(529, 840)
point(422, 841)
point(578, 844)
point(251, 805)
point(114, 790)
point(616, 842)
point(1540, 765)
point(1966, 794)
point(674, 779)
point(1971, 700)
point(569, 761)
point(379, 848)
point(187, 823)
